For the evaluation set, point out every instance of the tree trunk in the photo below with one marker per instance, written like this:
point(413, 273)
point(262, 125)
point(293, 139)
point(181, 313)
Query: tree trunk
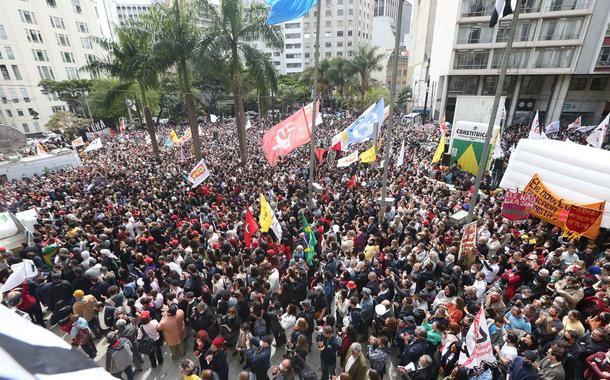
point(191, 111)
point(241, 126)
point(150, 126)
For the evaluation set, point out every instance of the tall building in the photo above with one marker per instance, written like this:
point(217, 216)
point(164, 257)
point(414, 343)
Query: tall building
point(558, 65)
point(42, 39)
point(114, 13)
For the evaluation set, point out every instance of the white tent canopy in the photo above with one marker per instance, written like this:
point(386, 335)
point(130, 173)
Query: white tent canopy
point(578, 173)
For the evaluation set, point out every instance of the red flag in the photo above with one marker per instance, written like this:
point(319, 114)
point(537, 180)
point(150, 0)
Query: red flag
point(320, 155)
point(250, 228)
point(288, 134)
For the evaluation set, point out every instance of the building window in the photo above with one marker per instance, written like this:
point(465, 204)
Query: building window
point(473, 8)
point(89, 58)
point(40, 55)
point(599, 84)
point(339, 12)
point(293, 35)
point(292, 25)
point(19, 112)
point(531, 84)
point(339, 33)
point(36, 126)
point(567, 5)
point(578, 83)
point(465, 85)
point(67, 57)
point(58, 108)
point(51, 3)
point(16, 72)
point(327, 54)
point(328, 44)
point(62, 39)
point(471, 59)
point(531, 6)
point(9, 113)
point(27, 17)
point(24, 94)
point(292, 46)
point(76, 6)
point(349, 33)
point(26, 128)
point(3, 35)
point(474, 34)
point(33, 35)
point(339, 43)
point(604, 57)
point(554, 57)
point(293, 65)
point(12, 93)
point(561, 29)
point(525, 31)
point(519, 58)
point(293, 56)
point(350, 12)
point(9, 52)
point(86, 42)
point(3, 96)
point(4, 71)
point(46, 72)
point(57, 22)
point(82, 27)
point(72, 73)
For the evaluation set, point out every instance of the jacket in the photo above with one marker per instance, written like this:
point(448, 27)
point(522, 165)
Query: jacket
point(173, 328)
point(259, 359)
point(331, 346)
point(378, 357)
point(359, 370)
point(413, 352)
point(118, 356)
point(86, 307)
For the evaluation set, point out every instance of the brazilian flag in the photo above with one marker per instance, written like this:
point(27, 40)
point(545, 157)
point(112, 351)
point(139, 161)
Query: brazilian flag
point(49, 253)
point(310, 238)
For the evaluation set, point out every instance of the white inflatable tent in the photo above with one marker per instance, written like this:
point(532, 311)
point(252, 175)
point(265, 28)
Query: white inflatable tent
point(575, 172)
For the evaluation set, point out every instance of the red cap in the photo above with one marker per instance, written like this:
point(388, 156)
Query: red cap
point(271, 252)
point(255, 243)
point(218, 342)
point(351, 285)
point(174, 217)
point(216, 245)
point(145, 314)
point(150, 239)
point(202, 334)
point(206, 225)
point(223, 225)
point(2, 249)
point(220, 214)
point(195, 233)
point(148, 260)
point(174, 242)
point(143, 239)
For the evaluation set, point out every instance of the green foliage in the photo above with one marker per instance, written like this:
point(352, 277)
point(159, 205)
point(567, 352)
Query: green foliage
point(71, 89)
point(68, 123)
point(374, 93)
point(171, 104)
point(404, 97)
point(107, 98)
point(365, 61)
point(291, 91)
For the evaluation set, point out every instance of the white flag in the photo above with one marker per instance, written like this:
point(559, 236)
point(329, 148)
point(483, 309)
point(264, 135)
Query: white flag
point(248, 125)
point(198, 174)
point(276, 227)
point(553, 127)
point(596, 138)
point(318, 119)
point(95, 145)
point(576, 124)
point(477, 348)
point(543, 136)
point(498, 150)
point(401, 155)
point(348, 160)
point(535, 130)
point(213, 118)
point(78, 142)
point(21, 272)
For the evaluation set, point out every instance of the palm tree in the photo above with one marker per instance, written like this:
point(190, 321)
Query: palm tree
point(231, 30)
point(133, 60)
point(324, 84)
point(340, 74)
point(365, 61)
point(178, 45)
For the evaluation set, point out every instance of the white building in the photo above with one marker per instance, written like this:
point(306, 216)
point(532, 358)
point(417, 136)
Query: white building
point(42, 39)
point(114, 13)
point(557, 66)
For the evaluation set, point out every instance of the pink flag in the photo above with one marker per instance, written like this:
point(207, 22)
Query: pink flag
point(288, 134)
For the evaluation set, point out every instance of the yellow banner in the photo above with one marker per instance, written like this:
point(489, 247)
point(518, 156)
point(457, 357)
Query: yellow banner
point(553, 209)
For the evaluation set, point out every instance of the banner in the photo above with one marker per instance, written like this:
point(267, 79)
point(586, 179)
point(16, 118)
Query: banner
point(95, 145)
point(362, 128)
point(401, 155)
point(553, 209)
point(348, 160)
point(552, 128)
point(198, 174)
point(576, 124)
point(467, 141)
point(515, 205)
point(476, 348)
point(78, 142)
point(469, 239)
point(580, 220)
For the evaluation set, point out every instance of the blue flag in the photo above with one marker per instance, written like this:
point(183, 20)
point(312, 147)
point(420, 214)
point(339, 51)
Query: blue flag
point(286, 10)
point(362, 129)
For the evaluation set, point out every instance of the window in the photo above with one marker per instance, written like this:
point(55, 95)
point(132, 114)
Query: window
point(36, 126)
point(293, 65)
point(33, 35)
point(82, 27)
point(86, 42)
point(471, 59)
point(349, 33)
point(72, 73)
point(328, 13)
point(57, 22)
point(12, 93)
point(554, 57)
point(58, 108)
point(532, 84)
point(561, 29)
point(67, 57)
point(328, 44)
point(3, 35)
point(519, 58)
point(293, 35)
point(474, 34)
point(62, 39)
point(604, 57)
point(76, 6)
point(9, 52)
point(19, 112)
point(4, 72)
point(566, 5)
point(40, 55)
point(27, 17)
point(578, 83)
point(339, 43)
point(16, 72)
point(328, 23)
point(24, 94)
point(599, 84)
point(531, 6)
point(292, 46)
point(89, 58)
point(292, 25)
point(473, 8)
point(339, 12)
point(52, 3)
point(339, 33)
point(3, 96)
point(525, 31)
point(46, 72)
point(293, 56)
point(9, 113)
point(350, 12)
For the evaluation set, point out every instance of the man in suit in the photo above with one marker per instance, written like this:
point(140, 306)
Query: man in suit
point(423, 371)
point(356, 364)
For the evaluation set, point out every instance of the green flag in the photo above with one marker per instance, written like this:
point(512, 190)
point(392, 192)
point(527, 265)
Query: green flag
point(48, 254)
point(310, 238)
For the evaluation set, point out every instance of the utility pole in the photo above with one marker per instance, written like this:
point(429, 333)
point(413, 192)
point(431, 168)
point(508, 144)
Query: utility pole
point(388, 141)
point(427, 86)
point(494, 112)
point(314, 96)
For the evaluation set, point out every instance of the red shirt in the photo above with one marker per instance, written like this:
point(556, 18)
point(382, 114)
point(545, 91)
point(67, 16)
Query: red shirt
point(27, 300)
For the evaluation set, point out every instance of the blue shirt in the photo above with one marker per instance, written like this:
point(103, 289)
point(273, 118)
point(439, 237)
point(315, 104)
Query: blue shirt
point(518, 370)
point(517, 323)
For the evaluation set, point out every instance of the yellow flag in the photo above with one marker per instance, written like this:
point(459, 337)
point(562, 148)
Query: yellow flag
point(440, 149)
point(369, 155)
point(265, 218)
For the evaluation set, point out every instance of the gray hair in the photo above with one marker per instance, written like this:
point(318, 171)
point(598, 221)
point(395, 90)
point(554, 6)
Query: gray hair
point(355, 347)
point(427, 359)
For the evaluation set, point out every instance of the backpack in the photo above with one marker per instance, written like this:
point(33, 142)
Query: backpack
point(259, 328)
point(309, 374)
point(145, 345)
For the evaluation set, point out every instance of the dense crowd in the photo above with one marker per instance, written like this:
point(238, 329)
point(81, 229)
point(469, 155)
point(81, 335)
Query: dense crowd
point(145, 261)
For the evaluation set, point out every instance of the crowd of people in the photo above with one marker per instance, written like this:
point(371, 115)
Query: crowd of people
point(161, 271)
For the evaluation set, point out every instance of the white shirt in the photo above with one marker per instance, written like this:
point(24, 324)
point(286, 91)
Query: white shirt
point(490, 275)
point(480, 286)
point(350, 361)
point(150, 329)
point(508, 352)
point(287, 321)
point(274, 280)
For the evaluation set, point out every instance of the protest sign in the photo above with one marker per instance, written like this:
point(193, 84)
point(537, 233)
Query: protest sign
point(515, 205)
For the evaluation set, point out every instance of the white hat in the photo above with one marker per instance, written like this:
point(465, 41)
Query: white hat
point(381, 310)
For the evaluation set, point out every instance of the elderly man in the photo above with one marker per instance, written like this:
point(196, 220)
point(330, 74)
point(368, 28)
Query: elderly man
point(356, 364)
point(423, 371)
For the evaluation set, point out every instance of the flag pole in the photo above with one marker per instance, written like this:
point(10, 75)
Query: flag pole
point(312, 149)
point(388, 141)
point(494, 111)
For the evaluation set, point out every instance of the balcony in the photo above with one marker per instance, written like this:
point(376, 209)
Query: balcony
point(471, 59)
point(567, 5)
